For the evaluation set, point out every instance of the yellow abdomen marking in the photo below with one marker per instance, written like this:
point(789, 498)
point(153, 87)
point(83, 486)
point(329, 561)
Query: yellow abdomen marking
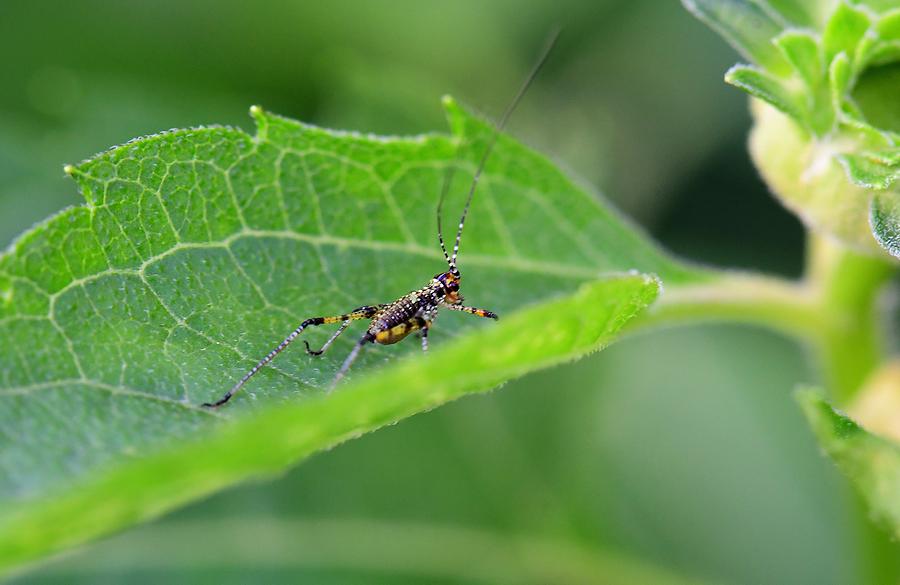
point(395, 333)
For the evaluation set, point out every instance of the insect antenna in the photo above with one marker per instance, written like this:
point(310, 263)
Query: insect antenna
point(448, 178)
point(551, 41)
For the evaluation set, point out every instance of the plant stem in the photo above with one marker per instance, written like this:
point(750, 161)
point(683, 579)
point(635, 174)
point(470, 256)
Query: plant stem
point(849, 348)
point(832, 310)
point(735, 297)
point(851, 343)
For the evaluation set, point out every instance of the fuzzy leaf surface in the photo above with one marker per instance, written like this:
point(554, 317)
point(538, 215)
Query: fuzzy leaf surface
point(869, 461)
point(199, 250)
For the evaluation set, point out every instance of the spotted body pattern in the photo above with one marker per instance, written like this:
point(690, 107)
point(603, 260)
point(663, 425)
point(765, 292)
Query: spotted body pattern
point(416, 311)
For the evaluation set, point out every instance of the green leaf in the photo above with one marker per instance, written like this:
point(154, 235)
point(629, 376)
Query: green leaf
point(801, 49)
point(267, 441)
point(877, 6)
point(888, 26)
point(872, 170)
point(884, 217)
point(801, 13)
point(840, 75)
point(872, 463)
point(844, 30)
point(198, 250)
point(765, 87)
point(746, 26)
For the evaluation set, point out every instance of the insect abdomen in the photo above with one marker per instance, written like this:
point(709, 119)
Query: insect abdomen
point(403, 316)
point(398, 332)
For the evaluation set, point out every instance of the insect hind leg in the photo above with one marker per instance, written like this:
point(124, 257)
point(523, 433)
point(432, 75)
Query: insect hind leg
point(360, 313)
point(367, 338)
point(364, 312)
point(331, 339)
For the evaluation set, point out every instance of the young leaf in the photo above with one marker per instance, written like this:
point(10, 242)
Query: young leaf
point(872, 170)
point(884, 216)
point(799, 13)
point(844, 30)
point(840, 75)
point(746, 27)
point(888, 26)
point(801, 49)
point(872, 463)
point(199, 250)
point(761, 85)
point(878, 6)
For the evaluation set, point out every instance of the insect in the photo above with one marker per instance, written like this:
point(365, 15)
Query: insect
point(416, 311)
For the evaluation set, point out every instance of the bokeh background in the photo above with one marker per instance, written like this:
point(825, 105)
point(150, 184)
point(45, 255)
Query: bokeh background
point(674, 455)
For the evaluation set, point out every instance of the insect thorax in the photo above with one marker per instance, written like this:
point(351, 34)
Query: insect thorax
point(407, 314)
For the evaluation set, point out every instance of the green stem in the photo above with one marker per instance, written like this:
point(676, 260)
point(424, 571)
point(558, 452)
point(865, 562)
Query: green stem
point(850, 348)
point(783, 306)
point(851, 343)
point(832, 310)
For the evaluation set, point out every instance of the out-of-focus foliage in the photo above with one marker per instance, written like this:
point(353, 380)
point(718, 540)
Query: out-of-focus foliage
point(832, 69)
point(872, 462)
point(97, 81)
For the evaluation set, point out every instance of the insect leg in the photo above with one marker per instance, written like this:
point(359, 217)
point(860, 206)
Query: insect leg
point(321, 350)
point(473, 311)
point(424, 335)
point(364, 312)
point(424, 326)
point(367, 338)
point(314, 321)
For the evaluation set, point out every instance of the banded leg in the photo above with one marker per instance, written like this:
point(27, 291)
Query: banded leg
point(473, 311)
point(424, 326)
point(424, 335)
point(367, 338)
point(331, 339)
point(360, 313)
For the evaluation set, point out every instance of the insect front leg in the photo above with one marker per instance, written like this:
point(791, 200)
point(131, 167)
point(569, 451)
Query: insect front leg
point(360, 313)
point(474, 311)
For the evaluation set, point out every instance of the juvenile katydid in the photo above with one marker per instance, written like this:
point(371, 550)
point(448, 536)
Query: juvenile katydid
point(415, 311)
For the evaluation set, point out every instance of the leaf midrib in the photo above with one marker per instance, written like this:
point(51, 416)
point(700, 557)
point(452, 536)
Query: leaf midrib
point(475, 259)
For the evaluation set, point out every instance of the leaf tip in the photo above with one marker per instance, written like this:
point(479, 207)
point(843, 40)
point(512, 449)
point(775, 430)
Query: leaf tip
point(735, 70)
point(262, 122)
point(455, 115)
point(828, 423)
point(807, 397)
point(69, 170)
point(654, 282)
point(735, 73)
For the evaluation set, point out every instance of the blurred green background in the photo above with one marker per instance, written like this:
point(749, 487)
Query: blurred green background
point(673, 455)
